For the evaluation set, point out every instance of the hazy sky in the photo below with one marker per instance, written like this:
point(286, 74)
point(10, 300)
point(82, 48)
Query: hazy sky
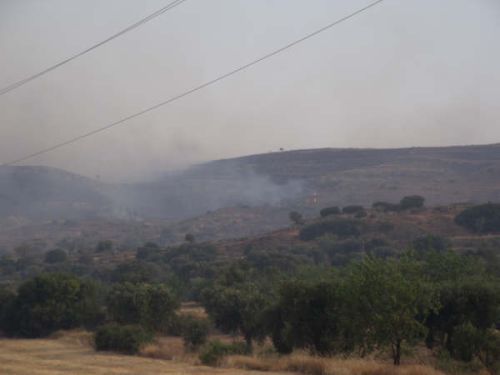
point(405, 73)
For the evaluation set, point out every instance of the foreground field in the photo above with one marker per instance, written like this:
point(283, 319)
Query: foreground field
point(67, 356)
point(71, 353)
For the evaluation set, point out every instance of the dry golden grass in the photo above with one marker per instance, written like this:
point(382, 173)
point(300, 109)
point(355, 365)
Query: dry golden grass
point(72, 354)
point(169, 348)
point(308, 365)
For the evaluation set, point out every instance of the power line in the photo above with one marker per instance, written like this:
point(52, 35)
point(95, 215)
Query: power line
point(141, 22)
point(195, 89)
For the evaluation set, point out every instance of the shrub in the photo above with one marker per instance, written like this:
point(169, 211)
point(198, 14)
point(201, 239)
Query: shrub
point(195, 332)
point(376, 242)
point(148, 251)
point(469, 342)
point(214, 351)
point(343, 252)
point(121, 338)
point(412, 201)
point(484, 218)
point(134, 272)
point(466, 341)
point(296, 218)
point(339, 227)
point(104, 246)
point(56, 256)
point(383, 252)
point(327, 211)
point(430, 243)
point(352, 209)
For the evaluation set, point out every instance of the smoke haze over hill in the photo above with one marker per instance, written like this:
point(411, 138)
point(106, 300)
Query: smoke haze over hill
point(408, 73)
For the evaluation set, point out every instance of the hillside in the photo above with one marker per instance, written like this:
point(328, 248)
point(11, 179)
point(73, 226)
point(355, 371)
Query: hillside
point(342, 176)
point(237, 197)
point(41, 192)
point(360, 176)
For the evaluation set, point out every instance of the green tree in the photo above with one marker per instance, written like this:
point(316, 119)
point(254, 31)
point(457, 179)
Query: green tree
point(306, 316)
point(470, 301)
point(386, 302)
point(237, 309)
point(151, 306)
point(484, 218)
point(50, 302)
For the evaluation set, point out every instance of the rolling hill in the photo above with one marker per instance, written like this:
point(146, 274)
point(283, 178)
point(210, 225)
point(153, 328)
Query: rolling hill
point(241, 196)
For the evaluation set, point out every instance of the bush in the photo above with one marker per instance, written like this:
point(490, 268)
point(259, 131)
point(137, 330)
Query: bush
point(214, 351)
point(55, 256)
point(466, 342)
point(121, 338)
point(135, 272)
point(469, 342)
point(327, 211)
point(383, 252)
point(148, 251)
point(296, 218)
point(412, 201)
point(189, 238)
point(352, 209)
point(430, 243)
point(195, 332)
point(484, 218)
point(339, 227)
point(104, 246)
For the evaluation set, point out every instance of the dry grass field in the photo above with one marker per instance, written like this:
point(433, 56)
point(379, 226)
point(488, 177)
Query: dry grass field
point(72, 353)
